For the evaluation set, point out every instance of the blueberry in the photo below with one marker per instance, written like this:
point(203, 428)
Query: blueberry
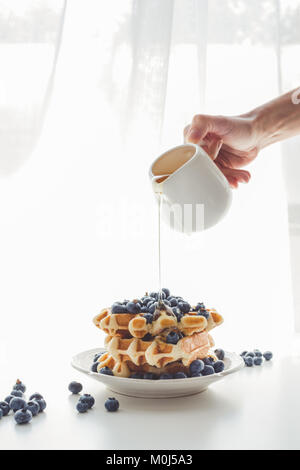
point(17, 404)
point(144, 309)
point(86, 398)
point(204, 313)
point(248, 361)
point(106, 371)
point(250, 354)
point(42, 404)
point(136, 375)
point(268, 355)
point(97, 356)
point(220, 353)
point(1, 413)
point(177, 312)
point(149, 376)
point(196, 366)
point(16, 393)
point(218, 366)
point(147, 337)
point(116, 308)
point(257, 361)
point(166, 376)
point(23, 416)
point(19, 386)
point(94, 367)
point(148, 317)
point(243, 353)
point(82, 407)
point(33, 407)
point(154, 295)
point(208, 361)
point(184, 307)
point(152, 307)
point(173, 302)
point(112, 404)
point(200, 305)
point(75, 387)
point(180, 375)
point(146, 300)
point(36, 396)
point(257, 353)
point(208, 370)
point(9, 398)
point(166, 302)
point(4, 407)
point(166, 292)
point(172, 337)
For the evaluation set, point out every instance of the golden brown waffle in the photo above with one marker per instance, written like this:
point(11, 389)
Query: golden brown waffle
point(157, 352)
point(127, 324)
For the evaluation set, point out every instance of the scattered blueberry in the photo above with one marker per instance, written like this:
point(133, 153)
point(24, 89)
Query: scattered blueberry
point(268, 355)
point(243, 353)
point(36, 396)
point(196, 366)
point(9, 398)
point(248, 361)
point(23, 416)
point(208, 370)
point(250, 354)
point(16, 393)
point(33, 407)
point(42, 404)
point(4, 407)
point(17, 403)
point(172, 337)
point(86, 398)
point(148, 317)
point(116, 308)
point(94, 367)
point(106, 371)
point(166, 376)
point(82, 407)
point(136, 375)
point(257, 353)
point(257, 361)
point(220, 353)
point(180, 375)
point(149, 376)
point(218, 366)
point(75, 387)
point(19, 386)
point(112, 404)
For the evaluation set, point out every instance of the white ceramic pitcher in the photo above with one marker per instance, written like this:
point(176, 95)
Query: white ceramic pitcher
point(195, 195)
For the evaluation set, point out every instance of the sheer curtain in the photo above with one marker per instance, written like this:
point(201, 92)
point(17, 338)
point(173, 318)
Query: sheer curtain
point(78, 220)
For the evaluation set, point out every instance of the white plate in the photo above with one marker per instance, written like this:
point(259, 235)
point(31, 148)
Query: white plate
point(155, 388)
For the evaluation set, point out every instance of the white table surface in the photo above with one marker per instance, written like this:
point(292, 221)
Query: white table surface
point(255, 408)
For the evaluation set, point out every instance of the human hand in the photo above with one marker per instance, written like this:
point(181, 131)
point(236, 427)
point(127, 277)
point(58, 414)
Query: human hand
point(232, 142)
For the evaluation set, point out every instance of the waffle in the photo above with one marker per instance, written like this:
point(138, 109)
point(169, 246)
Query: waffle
point(157, 352)
point(127, 324)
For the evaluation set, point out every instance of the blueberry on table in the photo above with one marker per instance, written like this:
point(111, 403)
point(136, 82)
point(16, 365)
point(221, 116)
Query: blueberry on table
point(36, 396)
point(172, 337)
point(116, 308)
point(75, 387)
point(86, 398)
point(17, 393)
point(248, 360)
point(257, 353)
point(112, 404)
point(82, 407)
point(4, 407)
point(243, 353)
point(250, 354)
point(220, 353)
point(208, 370)
point(218, 366)
point(9, 398)
point(257, 361)
point(166, 376)
point(180, 375)
point(19, 386)
point(196, 366)
point(106, 371)
point(33, 407)
point(23, 416)
point(94, 367)
point(42, 404)
point(17, 404)
point(268, 355)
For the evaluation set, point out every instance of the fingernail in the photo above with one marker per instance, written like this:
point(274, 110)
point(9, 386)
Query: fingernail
point(194, 134)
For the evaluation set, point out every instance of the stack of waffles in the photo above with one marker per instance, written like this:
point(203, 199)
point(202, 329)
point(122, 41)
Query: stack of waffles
point(157, 343)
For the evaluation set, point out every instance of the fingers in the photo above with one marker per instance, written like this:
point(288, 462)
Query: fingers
point(212, 147)
point(198, 129)
point(234, 176)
